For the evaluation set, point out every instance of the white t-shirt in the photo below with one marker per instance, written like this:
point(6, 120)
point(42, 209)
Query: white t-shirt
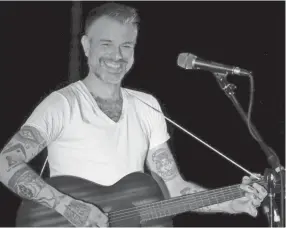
point(84, 142)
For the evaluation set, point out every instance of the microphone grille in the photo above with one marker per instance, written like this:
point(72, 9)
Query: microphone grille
point(186, 60)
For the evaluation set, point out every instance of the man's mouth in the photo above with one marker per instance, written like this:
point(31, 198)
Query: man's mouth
point(113, 66)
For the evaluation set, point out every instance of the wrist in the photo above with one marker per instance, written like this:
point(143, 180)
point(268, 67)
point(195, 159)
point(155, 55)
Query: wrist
point(63, 203)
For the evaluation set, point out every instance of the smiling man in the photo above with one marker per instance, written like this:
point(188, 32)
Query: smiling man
point(97, 130)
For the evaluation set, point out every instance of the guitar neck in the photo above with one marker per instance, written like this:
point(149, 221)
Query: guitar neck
point(185, 203)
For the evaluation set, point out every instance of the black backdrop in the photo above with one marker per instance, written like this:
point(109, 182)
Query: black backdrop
point(35, 40)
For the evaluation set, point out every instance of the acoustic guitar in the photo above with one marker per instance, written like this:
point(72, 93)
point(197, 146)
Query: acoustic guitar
point(136, 200)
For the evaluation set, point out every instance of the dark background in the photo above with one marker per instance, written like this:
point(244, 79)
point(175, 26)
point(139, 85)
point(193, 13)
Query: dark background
point(35, 41)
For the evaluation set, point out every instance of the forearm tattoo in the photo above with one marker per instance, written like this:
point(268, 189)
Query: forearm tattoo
point(77, 212)
point(187, 190)
point(27, 184)
point(165, 164)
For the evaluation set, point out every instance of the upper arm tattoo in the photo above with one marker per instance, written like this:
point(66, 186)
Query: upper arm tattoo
point(24, 145)
point(164, 164)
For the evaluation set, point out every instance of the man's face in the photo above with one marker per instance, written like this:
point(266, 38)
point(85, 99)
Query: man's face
point(109, 46)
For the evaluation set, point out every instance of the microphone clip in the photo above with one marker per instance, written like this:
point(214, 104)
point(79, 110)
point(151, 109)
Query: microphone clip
point(227, 87)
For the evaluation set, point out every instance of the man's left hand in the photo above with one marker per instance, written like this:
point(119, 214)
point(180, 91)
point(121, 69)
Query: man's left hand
point(254, 195)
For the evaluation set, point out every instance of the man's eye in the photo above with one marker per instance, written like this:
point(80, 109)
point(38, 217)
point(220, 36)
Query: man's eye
point(105, 44)
point(127, 46)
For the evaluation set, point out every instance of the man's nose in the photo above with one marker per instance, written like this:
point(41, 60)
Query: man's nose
point(117, 53)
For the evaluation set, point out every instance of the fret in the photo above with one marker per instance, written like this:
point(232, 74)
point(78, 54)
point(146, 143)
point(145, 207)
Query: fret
point(229, 195)
point(167, 212)
point(221, 198)
point(210, 199)
point(197, 203)
point(187, 207)
point(158, 211)
point(203, 203)
point(145, 214)
point(190, 208)
point(213, 200)
point(224, 197)
point(151, 212)
point(174, 211)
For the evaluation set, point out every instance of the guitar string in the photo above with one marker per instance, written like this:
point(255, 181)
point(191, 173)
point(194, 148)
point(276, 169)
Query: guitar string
point(187, 203)
point(221, 190)
point(163, 207)
point(146, 211)
point(169, 204)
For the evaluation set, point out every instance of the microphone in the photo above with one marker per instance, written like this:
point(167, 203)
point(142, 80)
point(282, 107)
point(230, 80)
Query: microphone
point(190, 61)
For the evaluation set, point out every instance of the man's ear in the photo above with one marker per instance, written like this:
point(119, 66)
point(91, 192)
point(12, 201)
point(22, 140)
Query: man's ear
point(85, 44)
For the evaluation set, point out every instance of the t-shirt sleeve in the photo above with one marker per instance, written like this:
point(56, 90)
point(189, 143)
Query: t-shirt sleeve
point(158, 126)
point(50, 116)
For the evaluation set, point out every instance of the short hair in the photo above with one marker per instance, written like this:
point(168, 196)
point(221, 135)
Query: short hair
point(119, 12)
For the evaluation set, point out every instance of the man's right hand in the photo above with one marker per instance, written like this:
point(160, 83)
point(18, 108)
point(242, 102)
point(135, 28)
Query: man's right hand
point(82, 214)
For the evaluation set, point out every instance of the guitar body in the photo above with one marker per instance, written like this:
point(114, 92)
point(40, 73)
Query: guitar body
point(130, 192)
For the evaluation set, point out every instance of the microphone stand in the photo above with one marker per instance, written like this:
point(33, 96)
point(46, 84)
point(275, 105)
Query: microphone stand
point(272, 158)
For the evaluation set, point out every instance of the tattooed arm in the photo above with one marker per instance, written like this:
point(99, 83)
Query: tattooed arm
point(18, 176)
point(22, 180)
point(161, 162)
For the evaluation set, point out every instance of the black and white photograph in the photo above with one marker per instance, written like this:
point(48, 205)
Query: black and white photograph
point(142, 114)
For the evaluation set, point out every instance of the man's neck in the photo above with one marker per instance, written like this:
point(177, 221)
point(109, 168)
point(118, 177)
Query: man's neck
point(100, 89)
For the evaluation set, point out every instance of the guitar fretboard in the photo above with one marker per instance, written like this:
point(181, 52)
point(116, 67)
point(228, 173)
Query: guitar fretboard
point(190, 202)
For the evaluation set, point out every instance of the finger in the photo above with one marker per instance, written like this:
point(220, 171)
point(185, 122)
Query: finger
point(246, 180)
point(255, 200)
point(248, 188)
point(262, 193)
point(103, 221)
point(255, 174)
point(252, 211)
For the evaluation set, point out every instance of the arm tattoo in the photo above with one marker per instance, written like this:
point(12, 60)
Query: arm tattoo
point(18, 148)
point(26, 144)
point(11, 162)
point(77, 212)
point(186, 190)
point(27, 184)
point(19, 177)
point(31, 138)
point(165, 164)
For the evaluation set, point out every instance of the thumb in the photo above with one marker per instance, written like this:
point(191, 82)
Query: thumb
point(251, 210)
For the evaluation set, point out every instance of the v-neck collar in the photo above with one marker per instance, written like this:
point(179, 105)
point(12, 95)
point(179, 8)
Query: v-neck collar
point(95, 105)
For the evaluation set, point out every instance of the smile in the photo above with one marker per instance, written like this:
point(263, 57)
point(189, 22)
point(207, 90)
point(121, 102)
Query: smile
point(112, 64)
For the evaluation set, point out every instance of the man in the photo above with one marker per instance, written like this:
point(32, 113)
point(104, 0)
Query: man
point(99, 131)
